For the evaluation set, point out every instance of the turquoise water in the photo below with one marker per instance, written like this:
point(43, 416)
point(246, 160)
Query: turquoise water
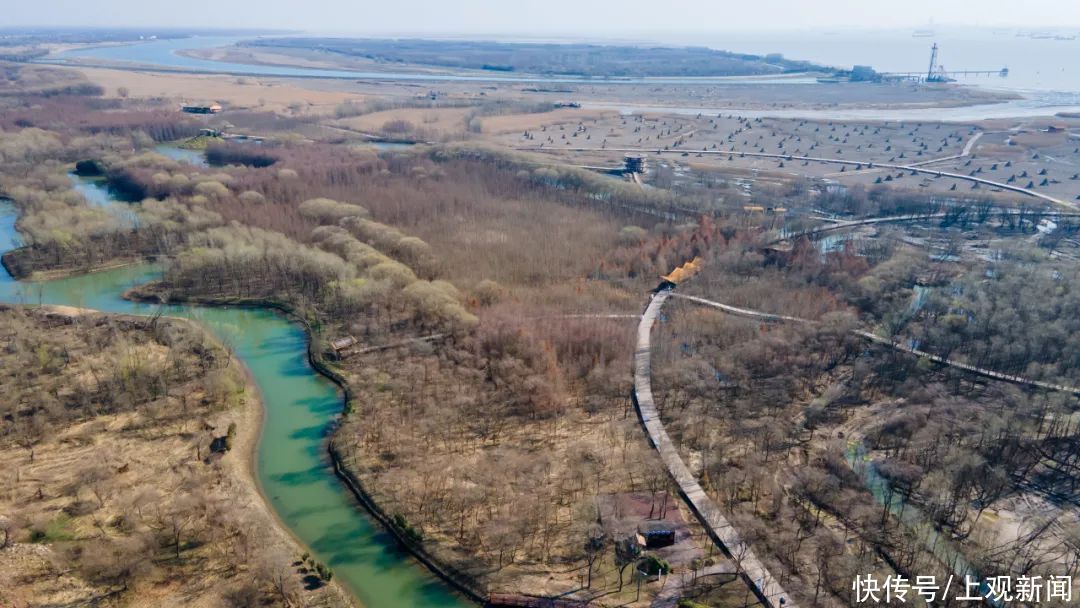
point(191, 157)
point(293, 467)
point(911, 517)
point(94, 189)
point(832, 242)
point(97, 194)
point(9, 239)
point(919, 293)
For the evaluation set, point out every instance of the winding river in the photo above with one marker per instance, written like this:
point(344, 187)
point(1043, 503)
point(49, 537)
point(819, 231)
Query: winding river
point(293, 469)
point(914, 519)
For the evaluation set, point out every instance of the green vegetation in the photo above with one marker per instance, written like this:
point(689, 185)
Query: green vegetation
point(230, 436)
point(652, 565)
point(407, 529)
point(199, 142)
point(55, 530)
point(565, 59)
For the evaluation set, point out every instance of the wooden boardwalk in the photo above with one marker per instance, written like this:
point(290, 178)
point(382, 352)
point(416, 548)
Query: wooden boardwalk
point(980, 371)
point(752, 570)
point(912, 217)
point(818, 159)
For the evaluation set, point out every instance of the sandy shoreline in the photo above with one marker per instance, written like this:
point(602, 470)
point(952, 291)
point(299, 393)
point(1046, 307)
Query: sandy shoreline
point(248, 438)
point(242, 461)
point(250, 418)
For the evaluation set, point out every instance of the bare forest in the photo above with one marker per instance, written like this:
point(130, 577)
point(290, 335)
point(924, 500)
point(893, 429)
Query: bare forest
point(125, 438)
point(481, 305)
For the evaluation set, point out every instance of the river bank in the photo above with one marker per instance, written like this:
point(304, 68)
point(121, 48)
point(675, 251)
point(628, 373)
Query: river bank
point(252, 419)
point(13, 266)
point(462, 582)
point(118, 454)
point(465, 584)
point(292, 468)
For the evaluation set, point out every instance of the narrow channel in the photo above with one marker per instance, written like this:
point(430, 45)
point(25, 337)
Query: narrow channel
point(292, 464)
point(914, 519)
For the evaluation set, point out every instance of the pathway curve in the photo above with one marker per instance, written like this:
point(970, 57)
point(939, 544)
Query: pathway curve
point(674, 584)
point(971, 143)
point(753, 571)
point(981, 371)
point(922, 163)
point(819, 159)
point(839, 224)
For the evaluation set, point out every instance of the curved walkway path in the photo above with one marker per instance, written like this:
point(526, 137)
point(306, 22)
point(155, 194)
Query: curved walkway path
point(912, 217)
point(933, 161)
point(981, 371)
point(752, 570)
point(766, 586)
point(819, 159)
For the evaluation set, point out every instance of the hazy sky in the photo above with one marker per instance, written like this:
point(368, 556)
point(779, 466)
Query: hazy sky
point(540, 17)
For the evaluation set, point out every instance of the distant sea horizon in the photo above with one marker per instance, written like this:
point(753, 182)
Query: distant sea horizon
point(1043, 60)
point(1039, 59)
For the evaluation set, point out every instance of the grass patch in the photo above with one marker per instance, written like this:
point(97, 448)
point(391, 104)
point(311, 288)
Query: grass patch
point(199, 142)
point(57, 529)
